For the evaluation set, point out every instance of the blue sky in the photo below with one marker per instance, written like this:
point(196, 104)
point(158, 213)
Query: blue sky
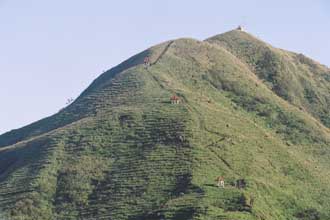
point(52, 50)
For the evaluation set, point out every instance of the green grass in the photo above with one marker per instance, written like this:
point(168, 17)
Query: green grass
point(122, 151)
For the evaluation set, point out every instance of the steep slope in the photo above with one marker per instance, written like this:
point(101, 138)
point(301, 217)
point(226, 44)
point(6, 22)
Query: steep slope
point(126, 152)
point(84, 106)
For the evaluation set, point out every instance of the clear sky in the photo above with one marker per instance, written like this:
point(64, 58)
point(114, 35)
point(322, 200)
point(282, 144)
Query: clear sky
point(52, 50)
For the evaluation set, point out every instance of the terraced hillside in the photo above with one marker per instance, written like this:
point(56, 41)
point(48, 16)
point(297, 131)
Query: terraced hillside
point(122, 151)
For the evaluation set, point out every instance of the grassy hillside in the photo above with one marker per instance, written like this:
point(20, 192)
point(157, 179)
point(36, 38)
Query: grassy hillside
point(296, 78)
point(123, 151)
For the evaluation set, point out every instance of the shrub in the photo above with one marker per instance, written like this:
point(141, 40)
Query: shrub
point(236, 202)
point(308, 214)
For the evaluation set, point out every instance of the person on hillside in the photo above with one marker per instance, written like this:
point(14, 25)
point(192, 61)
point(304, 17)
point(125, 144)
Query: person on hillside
point(146, 62)
point(240, 183)
point(220, 181)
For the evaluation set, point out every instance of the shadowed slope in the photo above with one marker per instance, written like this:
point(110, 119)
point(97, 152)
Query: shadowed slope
point(81, 108)
point(84, 106)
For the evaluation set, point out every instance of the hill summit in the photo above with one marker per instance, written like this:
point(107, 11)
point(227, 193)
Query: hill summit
point(225, 128)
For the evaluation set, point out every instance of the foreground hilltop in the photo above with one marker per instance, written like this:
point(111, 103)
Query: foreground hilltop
point(247, 111)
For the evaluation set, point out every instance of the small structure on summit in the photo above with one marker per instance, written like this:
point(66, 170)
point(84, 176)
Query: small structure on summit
point(240, 28)
point(175, 99)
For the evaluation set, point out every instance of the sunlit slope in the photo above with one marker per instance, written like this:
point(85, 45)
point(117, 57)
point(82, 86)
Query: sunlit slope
point(295, 77)
point(131, 154)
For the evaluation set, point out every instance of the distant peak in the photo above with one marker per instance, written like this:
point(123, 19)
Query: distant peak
point(236, 33)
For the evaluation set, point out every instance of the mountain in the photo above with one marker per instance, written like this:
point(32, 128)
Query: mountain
point(254, 114)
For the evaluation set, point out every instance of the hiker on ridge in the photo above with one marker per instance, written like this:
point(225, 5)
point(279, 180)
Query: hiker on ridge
point(146, 62)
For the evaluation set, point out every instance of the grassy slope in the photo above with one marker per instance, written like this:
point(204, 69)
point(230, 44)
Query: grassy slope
point(86, 105)
point(296, 78)
point(139, 157)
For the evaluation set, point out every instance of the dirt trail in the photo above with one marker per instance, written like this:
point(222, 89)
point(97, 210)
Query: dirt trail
point(190, 107)
point(163, 53)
